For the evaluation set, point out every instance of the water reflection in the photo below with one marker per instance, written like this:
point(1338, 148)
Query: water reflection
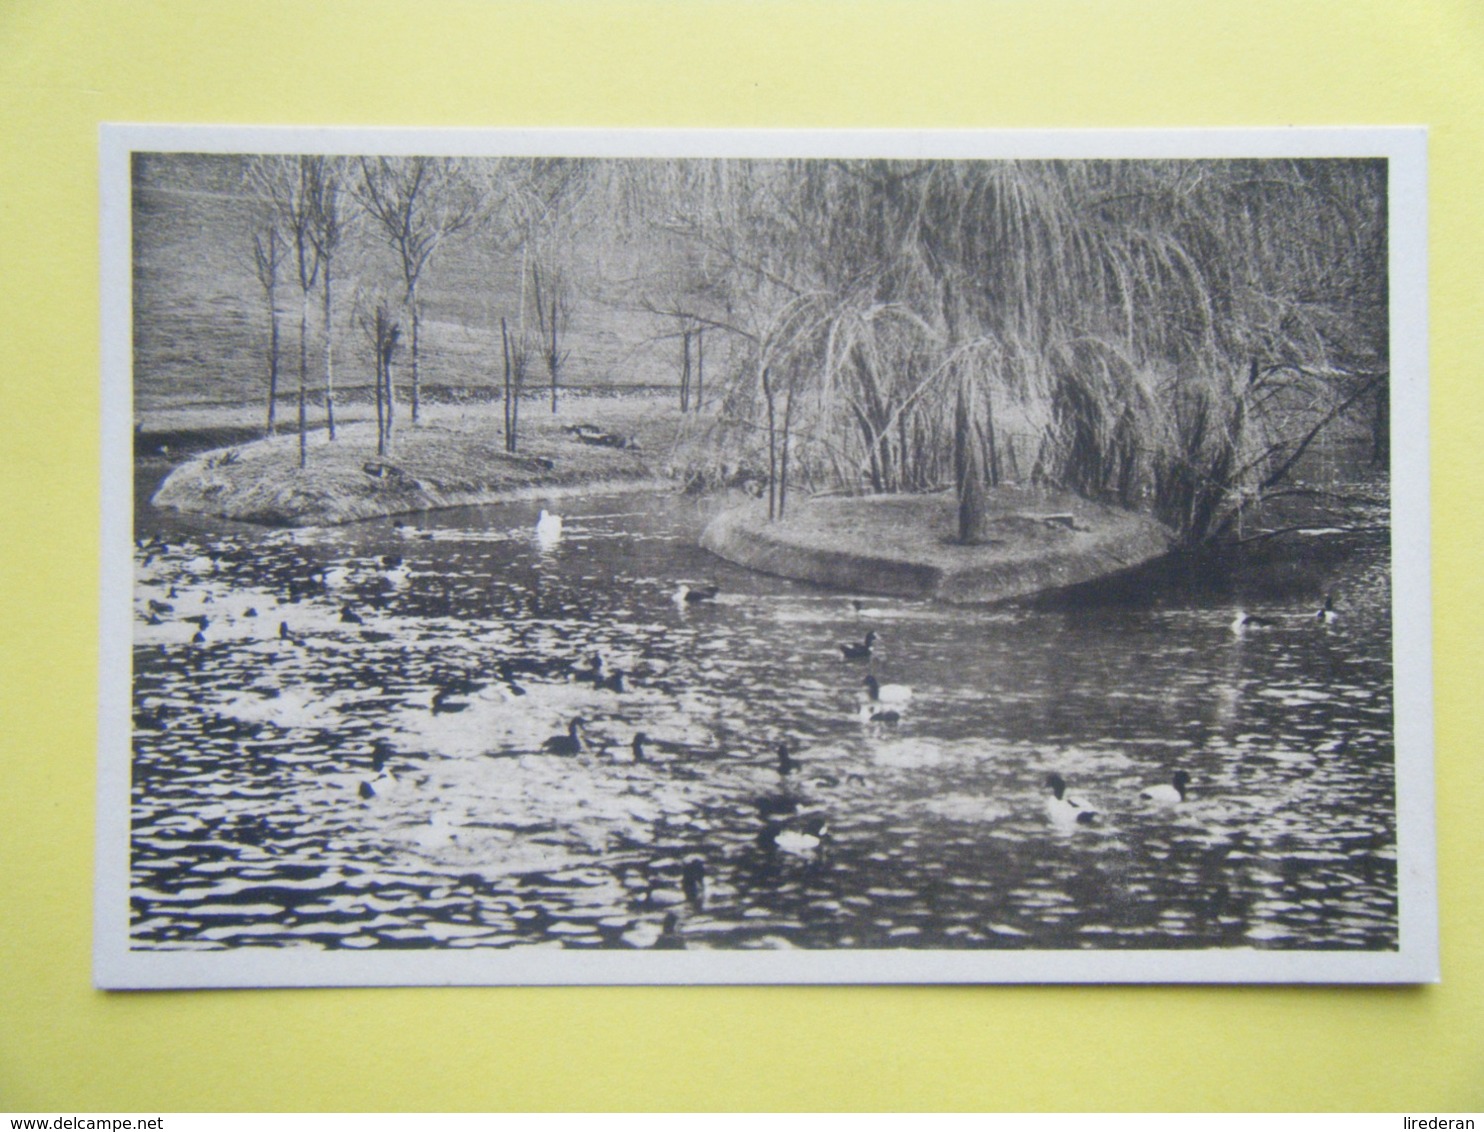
point(341, 741)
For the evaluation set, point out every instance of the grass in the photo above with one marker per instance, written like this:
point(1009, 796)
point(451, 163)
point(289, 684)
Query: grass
point(455, 456)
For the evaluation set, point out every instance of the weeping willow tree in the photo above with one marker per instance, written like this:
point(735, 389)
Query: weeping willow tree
point(1166, 335)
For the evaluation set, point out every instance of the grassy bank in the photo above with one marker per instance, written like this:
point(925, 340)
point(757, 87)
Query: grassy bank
point(454, 456)
point(903, 544)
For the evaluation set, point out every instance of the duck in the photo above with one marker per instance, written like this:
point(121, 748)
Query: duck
point(158, 606)
point(859, 650)
point(286, 634)
point(548, 526)
point(686, 594)
point(613, 682)
point(1170, 793)
point(394, 570)
point(1065, 810)
point(1327, 614)
point(887, 693)
point(349, 616)
point(870, 713)
point(571, 743)
point(637, 746)
point(384, 780)
point(645, 934)
point(800, 838)
point(1245, 622)
point(443, 702)
point(334, 577)
point(693, 882)
point(787, 764)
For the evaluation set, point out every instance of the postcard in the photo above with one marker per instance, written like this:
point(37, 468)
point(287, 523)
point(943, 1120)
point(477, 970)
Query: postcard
point(571, 557)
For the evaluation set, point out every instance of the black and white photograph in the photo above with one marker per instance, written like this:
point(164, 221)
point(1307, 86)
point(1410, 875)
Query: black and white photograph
point(706, 557)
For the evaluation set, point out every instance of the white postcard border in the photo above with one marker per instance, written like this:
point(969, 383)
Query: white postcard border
point(116, 966)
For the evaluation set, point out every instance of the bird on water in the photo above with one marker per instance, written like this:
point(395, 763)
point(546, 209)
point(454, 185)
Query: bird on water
point(886, 693)
point(571, 743)
point(1065, 810)
point(1170, 793)
point(859, 650)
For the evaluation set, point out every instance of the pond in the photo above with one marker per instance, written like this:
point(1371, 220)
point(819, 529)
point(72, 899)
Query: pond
point(352, 750)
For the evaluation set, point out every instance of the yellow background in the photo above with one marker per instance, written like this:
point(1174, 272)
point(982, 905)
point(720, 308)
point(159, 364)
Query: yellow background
point(67, 66)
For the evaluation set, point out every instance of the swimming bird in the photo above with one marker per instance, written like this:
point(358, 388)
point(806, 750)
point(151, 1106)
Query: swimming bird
point(859, 650)
point(548, 526)
point(1170, 793)
point(1245, 622)
point(334, 577)
point(693, 882)
point(887, 693)
point(593, 673)
point(870, 713)
point(646, 933)
point(800, 838)
point(384, 780)
point(157, 606)
point(1065, 810)
point(286, 634)
point(686, 594)
point(443, 702)
point(349, 616)
point(1326, 615)
point(640, 738)
point(613, 682)
point(571, 743)
point(394, 570)
point(787, 764)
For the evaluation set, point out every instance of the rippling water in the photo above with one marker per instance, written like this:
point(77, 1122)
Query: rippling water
point(383, 784)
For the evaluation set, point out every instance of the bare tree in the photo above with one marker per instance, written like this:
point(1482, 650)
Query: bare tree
point(378, 318)
point(329, 223)
point(553, 313)
point(268, 252)
point(417, 203)
point(517, 360)
point(531, 211)
point(286, 183)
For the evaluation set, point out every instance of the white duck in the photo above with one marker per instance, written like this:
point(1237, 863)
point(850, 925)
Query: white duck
point(887, 693)
point(1170, 793)
point(1065, 811)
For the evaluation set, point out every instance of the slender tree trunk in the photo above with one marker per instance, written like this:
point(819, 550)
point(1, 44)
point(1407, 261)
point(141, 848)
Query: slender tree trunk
point(700, 337)
point(685, 371)
point(772, 449)
point(391, 391)
point(788, 412)
point(417, 319)
point(329, 358)
point(304, 380)
point(509, 388)
point(380, 384)
point(273, 350)
point(553, 359)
